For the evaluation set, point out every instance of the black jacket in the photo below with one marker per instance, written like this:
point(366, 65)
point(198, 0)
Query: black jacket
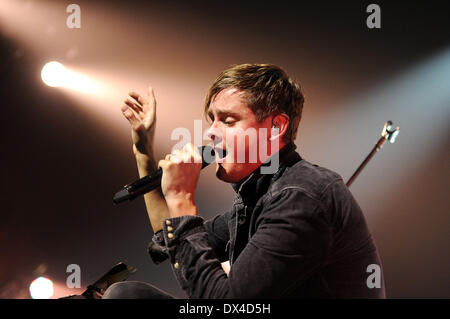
point(298, 233)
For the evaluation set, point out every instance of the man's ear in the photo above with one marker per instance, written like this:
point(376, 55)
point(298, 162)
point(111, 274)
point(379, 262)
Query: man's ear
point(280, 125)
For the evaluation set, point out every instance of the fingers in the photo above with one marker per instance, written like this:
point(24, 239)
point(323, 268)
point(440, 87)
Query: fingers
point(145, 108)
point(150, 107)
point(141, 101)
point(139, 111)
point(188, 154)
point(134, 106)
point(138, 98)
point(193, 152)
point(151, 94)
point(174, 158)
point(130, 116)
point(163, 164)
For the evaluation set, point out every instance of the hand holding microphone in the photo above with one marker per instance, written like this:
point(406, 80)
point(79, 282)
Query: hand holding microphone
point(152, 181)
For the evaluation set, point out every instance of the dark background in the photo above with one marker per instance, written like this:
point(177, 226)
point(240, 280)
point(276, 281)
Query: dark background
point(65, 153)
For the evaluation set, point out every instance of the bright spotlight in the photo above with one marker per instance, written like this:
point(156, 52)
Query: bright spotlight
point(41, 288)
point(54, 74)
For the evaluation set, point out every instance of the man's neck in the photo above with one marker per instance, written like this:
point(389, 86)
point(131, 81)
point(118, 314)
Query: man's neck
point(281, 153)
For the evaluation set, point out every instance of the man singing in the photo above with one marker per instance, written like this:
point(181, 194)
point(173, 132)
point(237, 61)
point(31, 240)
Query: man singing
point(292, 232)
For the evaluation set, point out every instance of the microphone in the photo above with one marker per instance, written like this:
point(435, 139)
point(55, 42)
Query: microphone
point(152, 181)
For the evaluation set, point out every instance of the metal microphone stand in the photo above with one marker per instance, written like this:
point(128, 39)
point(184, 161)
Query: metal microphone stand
point(389, 133)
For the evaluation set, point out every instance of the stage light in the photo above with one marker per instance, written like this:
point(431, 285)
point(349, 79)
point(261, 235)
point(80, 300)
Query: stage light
point(54, 74)
point(41, 288)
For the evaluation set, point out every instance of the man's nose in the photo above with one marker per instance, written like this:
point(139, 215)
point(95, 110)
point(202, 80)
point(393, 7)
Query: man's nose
point(214, 134)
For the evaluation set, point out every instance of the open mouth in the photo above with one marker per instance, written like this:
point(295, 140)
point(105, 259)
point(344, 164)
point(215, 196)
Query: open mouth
point(220, 154)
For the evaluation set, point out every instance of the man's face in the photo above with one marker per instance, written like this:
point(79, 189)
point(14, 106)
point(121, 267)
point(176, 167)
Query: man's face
point(236, 130)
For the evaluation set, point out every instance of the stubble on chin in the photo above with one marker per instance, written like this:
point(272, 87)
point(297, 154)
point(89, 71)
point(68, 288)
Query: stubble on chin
point(220, 172)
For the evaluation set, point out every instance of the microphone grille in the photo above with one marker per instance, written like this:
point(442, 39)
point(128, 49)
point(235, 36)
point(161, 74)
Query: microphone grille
point(208, 155)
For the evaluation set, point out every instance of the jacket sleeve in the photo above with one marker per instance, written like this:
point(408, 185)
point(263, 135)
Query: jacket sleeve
point(219, 234)
point(218, 237)
point(291, 241)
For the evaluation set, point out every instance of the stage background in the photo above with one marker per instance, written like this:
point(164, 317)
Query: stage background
point(65, 153)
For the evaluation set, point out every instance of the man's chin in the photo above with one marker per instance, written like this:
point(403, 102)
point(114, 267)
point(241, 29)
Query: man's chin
point(221, 174)
point(229, 173)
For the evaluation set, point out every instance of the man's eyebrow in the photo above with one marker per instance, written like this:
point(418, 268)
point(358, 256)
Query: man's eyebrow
point(227, 113)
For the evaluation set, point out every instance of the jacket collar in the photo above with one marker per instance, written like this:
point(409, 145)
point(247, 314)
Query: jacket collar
point(256, 184)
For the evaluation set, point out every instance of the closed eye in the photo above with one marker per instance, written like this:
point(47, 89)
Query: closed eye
point(228, 121)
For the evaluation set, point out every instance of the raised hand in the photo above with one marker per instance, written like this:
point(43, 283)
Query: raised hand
point(140, 111)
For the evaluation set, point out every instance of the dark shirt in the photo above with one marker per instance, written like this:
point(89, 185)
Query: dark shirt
point(298, 233)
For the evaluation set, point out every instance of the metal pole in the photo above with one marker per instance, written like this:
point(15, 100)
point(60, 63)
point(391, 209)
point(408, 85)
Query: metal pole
point(389, 133)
